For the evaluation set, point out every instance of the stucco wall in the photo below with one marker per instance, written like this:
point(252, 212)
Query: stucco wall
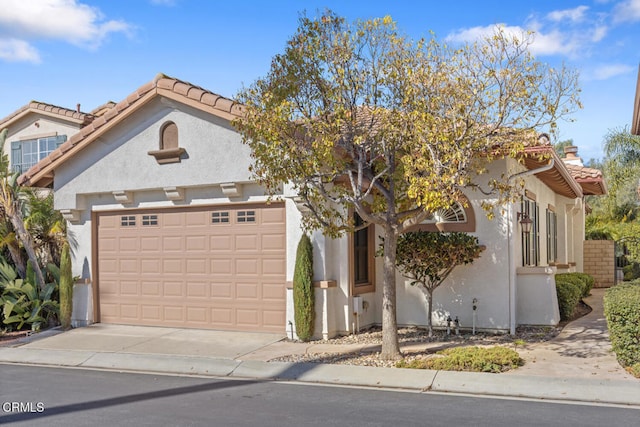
point(599, 261)
point(120, 161)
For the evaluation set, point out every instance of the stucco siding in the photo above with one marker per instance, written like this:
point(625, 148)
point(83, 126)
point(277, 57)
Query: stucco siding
point(119, 160)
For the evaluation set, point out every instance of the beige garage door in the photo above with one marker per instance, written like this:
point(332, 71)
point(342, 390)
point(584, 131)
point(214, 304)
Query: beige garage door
point(214, 267)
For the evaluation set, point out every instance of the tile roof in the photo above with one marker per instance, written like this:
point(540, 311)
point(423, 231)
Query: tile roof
point(49, 109)
point(41, 175)
point(591, 180)
point(101, 109)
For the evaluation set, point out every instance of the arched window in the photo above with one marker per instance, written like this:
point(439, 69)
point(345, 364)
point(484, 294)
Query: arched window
point(455, 218)
point(169, 136)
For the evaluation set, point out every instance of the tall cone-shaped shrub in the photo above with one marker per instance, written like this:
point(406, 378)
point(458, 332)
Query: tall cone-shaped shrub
point(303, 298)
point(66, 288)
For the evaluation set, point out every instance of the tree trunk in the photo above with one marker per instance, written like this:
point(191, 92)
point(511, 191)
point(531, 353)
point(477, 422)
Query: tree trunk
point(18, 260)
point(429, 296)
point(27, 243)
point(390, 345)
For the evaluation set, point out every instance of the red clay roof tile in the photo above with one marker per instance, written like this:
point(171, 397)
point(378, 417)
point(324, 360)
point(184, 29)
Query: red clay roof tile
point(36, 106)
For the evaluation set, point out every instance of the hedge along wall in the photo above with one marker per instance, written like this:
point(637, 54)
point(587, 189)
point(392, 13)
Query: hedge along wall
point(599, 261)
point(622, 310)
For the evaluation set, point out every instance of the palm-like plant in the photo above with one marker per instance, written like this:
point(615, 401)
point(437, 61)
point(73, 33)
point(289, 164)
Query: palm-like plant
point(45, 224)
point(11, 205)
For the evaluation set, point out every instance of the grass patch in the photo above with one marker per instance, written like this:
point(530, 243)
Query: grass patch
point(471, 359)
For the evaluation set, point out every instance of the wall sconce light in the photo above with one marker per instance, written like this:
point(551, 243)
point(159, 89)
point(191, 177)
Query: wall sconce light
point(525, 222)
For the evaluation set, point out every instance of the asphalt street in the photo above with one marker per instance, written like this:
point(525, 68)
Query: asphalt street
point(38, 396)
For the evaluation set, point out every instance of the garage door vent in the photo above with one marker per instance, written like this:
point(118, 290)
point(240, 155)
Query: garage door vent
point(219, 217)
point(149, 220)
point(128, 221)
point(246, 216)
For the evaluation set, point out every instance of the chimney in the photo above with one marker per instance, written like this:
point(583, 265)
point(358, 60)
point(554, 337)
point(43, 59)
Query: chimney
point(571, 156)
point(78, 107)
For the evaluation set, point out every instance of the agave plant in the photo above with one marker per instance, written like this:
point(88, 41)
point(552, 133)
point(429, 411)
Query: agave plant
point(23, 304)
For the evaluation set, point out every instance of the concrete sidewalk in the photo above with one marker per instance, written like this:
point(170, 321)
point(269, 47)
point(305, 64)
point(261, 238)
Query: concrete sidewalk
point(576, 366)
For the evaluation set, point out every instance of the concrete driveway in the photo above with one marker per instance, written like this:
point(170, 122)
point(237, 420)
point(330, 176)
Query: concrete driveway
point(105, 338)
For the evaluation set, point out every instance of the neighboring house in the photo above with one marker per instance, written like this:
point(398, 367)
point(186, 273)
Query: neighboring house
point(172, 231)
point(37, 129)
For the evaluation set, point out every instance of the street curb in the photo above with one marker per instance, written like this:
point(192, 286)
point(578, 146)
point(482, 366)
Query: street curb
point(471, 383)
point(547, 388)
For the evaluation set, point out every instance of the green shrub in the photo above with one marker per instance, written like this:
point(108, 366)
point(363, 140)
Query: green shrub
point(588, 282)
point(473, 359)
point(634, 370)
point(66, 288)
point(568, 297)
point(622, 310)
point(303, 294)
point(631, 271)
point(583, 282)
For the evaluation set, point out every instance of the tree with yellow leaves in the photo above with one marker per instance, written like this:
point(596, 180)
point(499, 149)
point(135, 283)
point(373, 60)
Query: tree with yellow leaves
point(358, 117)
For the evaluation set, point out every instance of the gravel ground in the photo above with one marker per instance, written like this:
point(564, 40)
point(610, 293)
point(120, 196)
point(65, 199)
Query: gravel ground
point(417, 336)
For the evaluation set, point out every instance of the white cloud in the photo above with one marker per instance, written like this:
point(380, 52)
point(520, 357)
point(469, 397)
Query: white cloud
point(575, 15)
point(551, 43)
point(13, 50)
point(164, 2)
point(66, 20)
point(599, 33)
point(605, 72)
point(628, 10)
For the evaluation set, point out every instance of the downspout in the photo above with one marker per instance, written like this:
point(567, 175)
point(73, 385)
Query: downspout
point(511, 245)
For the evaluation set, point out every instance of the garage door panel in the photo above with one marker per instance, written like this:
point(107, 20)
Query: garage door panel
point(172, 289)
point(197, 290)
point(128, 266)
point(128, 244)
point(272, 292)
point(246, 267)
point(222, 316)
point(172, 220)
point(222, 242)
point(222, 290)
point(172, 266)
point(108, 245)
point(196, 244)
point(194, 267)
point(273, 318)
point(129, 287)
point(129, 311)
point(197, 314)
point(246, 243)
point(273, 242)
point(173, 313)
point(273, 267)
point(172, 243)
point(150, 266)
point(150, 244)
point(221, 266)
point(149, 289)
point(151, 313)
point(246, 291)
point(248, 318)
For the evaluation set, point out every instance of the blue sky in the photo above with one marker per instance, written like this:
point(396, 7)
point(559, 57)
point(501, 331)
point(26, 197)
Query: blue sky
point(66, 52)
